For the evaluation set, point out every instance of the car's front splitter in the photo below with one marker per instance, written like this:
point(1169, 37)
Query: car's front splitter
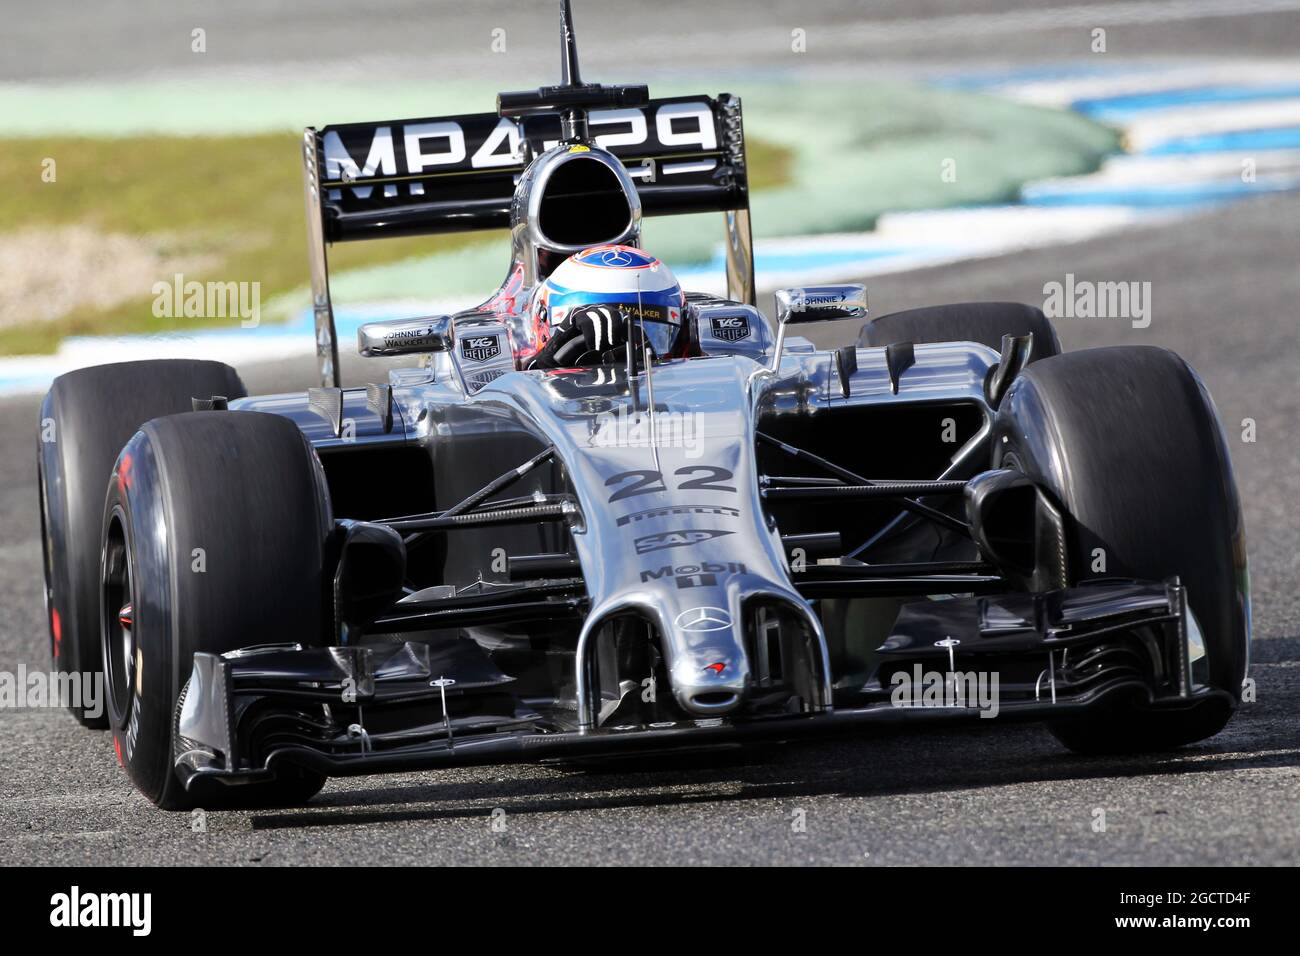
point(248, 714)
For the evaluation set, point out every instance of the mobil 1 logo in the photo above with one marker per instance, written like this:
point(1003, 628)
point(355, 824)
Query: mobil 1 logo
point(702, 575)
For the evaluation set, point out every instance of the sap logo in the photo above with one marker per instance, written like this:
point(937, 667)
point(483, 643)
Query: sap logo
point(480, 348)
point(700, 575)
point(675, 539)
point(730, 328)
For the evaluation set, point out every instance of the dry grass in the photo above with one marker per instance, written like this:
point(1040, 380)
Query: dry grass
point(84, 251)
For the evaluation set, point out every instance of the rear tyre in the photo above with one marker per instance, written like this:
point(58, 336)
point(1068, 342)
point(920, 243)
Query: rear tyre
point(214, 535)
point(86, 418)
point(982, 322)
point(1128, 442)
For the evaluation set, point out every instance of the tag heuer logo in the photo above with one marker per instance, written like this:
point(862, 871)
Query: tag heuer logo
point(480, 348)
point(480, 380)
point(730, 328)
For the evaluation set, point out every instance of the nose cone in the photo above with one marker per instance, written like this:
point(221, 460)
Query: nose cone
point(709, 669)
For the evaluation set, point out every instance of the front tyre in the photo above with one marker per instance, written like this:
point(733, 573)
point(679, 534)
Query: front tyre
point(1128, 442)
point(982, 322)
point(86, 418)
point(214, 534)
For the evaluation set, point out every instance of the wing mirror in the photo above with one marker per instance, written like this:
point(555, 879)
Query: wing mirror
point(816, 303)
point(405, 336)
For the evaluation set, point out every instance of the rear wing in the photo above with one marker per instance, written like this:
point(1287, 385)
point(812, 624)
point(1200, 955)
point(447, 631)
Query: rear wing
point(458, 173)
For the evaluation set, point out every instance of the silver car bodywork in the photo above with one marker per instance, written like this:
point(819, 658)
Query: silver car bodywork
point(756, 540)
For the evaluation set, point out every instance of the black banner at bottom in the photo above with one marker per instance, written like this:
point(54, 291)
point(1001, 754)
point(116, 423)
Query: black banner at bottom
point(329, 907)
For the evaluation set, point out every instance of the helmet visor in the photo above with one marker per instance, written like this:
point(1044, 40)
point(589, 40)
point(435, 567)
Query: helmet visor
point(660, 325)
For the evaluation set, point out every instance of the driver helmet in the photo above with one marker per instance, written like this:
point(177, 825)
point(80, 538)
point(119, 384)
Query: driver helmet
point(631, 283)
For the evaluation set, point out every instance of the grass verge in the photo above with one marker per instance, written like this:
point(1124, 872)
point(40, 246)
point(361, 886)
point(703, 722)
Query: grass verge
point(233, 203)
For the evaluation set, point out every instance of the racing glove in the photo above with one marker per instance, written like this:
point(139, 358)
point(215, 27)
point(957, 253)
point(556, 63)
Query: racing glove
point(596, 328)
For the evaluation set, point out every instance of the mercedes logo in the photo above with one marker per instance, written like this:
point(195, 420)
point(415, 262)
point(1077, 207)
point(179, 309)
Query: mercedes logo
point(616, 257)
point(703, 619)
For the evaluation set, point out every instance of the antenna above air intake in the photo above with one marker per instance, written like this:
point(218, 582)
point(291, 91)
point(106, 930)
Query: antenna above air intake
point(569, 73)
point(572, 99)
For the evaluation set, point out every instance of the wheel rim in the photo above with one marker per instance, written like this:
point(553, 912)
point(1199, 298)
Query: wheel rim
point(118, 625)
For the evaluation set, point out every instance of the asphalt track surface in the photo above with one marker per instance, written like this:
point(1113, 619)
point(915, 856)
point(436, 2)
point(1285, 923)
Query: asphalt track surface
point(1225, 289)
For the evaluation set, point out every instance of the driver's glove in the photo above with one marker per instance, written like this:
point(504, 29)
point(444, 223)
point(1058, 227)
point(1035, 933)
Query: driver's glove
point(594, 328)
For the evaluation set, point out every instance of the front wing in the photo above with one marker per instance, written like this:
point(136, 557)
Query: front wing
point(345, 711)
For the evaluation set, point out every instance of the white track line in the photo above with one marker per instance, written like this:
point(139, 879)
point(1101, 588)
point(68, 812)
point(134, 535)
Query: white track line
point(1057, 18)
point(1065, 91)
point(1162, 170)
point(1147, 131)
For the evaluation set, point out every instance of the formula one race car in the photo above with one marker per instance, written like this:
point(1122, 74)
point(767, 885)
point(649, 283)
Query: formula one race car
point(606, 517)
